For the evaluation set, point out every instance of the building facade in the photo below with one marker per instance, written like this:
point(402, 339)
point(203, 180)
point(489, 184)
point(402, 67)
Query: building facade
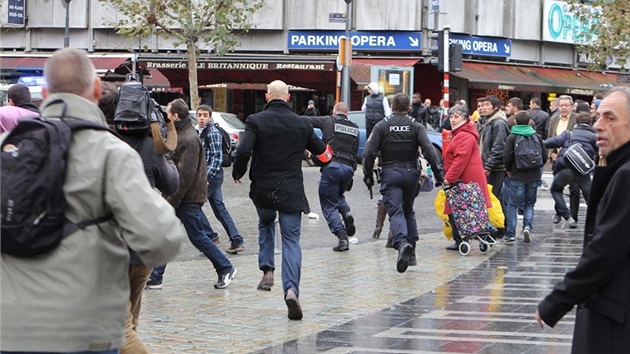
point(511, 48)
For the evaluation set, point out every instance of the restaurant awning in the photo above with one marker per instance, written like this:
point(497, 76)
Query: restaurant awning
point(37, 61)
point(303, 71)
point(534, 79)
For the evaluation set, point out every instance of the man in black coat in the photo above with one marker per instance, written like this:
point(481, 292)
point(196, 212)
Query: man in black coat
point(599, 283)
point(275, 139)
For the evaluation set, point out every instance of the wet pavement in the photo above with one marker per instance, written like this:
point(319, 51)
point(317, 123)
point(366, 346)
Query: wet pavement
point(356, 302)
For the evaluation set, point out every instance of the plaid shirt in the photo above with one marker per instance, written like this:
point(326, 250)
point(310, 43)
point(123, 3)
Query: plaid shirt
point(212, 149)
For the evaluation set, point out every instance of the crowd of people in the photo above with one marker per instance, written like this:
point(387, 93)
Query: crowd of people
point(506, 148)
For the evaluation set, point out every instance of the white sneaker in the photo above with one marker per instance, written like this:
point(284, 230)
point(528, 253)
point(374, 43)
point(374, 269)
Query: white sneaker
point(568, 223)
point(527, 235)
point(353, 240)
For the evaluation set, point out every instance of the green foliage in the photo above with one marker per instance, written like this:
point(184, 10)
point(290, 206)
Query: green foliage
point(212, 22)
point(604, 31)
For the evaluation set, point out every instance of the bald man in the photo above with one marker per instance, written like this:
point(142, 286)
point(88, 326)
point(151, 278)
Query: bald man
point(275, 140)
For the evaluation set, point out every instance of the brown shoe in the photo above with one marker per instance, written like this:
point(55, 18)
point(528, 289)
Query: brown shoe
point(293, 304)
point(266, 282)
point(216, 241)
point(235, 249)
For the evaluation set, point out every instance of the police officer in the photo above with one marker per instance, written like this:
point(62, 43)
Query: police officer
point(343, 137)
point(397, 138)
point(375, 106)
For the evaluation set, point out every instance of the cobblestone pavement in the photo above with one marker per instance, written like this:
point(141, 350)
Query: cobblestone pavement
point(356, 301)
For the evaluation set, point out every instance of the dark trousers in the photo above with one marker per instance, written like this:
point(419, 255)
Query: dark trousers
point(399, 189)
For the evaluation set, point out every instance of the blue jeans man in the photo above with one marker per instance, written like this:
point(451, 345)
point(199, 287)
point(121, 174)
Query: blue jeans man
point(560, 180)
point(215, 198)
point(518, 194)
point(199, 233)
point(335, 180)
point(290, 224)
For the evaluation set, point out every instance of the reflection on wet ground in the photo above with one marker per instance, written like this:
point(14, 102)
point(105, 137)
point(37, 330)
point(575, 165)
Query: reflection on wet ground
point(487, 310)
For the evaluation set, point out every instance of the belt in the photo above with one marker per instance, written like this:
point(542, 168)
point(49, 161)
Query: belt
point(409, 165)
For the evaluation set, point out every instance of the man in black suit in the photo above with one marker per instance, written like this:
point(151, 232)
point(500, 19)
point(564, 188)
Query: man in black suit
point(600, 284)
point(275, 139)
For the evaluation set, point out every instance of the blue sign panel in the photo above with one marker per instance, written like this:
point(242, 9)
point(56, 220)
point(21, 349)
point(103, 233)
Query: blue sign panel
point(496, 47)
point(361, 41)
point(16, 12)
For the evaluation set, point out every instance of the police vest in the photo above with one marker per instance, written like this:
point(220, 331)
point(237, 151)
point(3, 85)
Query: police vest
point(344, 141)
point(374, 110)
point(400, 143)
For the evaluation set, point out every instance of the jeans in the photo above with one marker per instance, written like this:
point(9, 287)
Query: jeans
point(399, 189)
point(215, 198)
point(198, 230)
point(290, 224)
point(335, 180)
point(515, 194)
point(562, 179)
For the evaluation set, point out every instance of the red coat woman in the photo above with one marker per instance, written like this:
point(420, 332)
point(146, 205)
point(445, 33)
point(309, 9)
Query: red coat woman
point(462, 160)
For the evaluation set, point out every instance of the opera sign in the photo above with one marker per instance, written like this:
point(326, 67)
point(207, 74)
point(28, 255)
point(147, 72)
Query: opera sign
point(561, 24)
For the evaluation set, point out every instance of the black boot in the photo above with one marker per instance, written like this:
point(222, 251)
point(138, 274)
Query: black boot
point(348, 221)
point(343, 244)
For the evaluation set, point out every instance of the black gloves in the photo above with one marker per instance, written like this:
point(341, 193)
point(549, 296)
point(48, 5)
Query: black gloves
point(368, 180)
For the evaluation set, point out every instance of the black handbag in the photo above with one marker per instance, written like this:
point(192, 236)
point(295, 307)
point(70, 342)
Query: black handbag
point(578, 159)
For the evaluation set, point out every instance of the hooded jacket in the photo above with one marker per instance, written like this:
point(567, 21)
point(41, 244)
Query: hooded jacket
point(494, 130)
point(508, 154)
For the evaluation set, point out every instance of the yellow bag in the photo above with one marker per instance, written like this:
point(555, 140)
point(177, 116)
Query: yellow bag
point(497, 219)
point(440, 199)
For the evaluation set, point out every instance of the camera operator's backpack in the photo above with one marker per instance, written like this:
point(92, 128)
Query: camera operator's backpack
point(136, 113)
point(226, 145)
point(34, 158)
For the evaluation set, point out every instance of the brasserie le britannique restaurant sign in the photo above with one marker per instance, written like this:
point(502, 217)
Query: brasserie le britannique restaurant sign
point(248, 65)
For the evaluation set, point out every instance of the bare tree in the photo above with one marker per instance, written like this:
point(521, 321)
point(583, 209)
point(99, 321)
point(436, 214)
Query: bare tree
point(189, 22)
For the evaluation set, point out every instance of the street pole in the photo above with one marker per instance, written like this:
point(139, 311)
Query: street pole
point(447, 63)
point(345, 77)
point(66, 37)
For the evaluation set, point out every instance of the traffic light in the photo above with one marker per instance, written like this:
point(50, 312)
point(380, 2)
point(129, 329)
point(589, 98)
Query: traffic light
point(438, 51)
point(437, 54)
point(455, 53)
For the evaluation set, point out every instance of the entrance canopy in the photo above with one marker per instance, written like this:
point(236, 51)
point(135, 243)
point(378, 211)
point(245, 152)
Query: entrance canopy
point(101, 62)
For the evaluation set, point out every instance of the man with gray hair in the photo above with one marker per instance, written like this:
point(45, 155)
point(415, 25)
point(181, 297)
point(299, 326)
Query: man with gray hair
point(599, 283)
point(82, 286)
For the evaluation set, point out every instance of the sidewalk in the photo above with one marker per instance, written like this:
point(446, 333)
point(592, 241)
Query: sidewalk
point(189, 316)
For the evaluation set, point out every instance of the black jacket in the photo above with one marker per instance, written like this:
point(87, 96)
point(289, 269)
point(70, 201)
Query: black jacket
point(275, 139)
point(375, 144)
point(582, 133)
point(599, 283)
point(541, 119)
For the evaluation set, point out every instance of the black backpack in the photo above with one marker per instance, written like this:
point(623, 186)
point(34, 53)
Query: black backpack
point(226, 144)
point(137, 113)
point(528, 153)
point(33, 168)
